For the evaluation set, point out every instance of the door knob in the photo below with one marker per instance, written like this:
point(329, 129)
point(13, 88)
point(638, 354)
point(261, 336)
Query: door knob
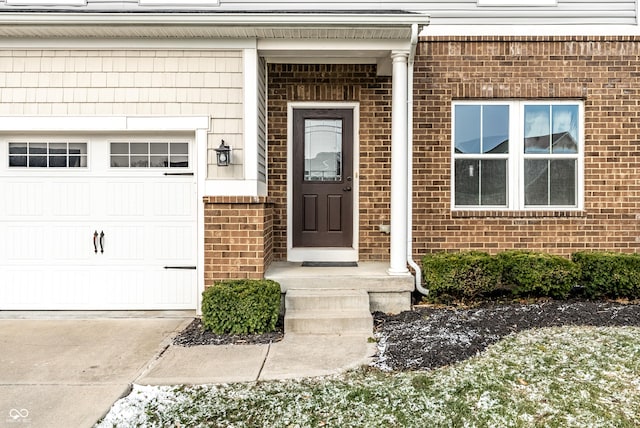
point(347, 189)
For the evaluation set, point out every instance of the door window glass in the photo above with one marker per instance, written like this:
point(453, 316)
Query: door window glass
point(323, 150)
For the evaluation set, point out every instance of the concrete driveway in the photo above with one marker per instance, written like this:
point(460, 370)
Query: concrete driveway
point(68, 372)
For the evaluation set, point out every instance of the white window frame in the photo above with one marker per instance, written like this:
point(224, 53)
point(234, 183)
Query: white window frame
point(516, 157)
point(129, 141)
point(48, 155)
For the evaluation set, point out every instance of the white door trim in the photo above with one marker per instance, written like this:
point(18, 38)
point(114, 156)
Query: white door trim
point(319, 253)
point(197, 125)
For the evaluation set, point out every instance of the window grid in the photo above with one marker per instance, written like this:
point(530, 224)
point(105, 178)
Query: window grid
point(516, 159)
point(155, 154)
point(40, 154)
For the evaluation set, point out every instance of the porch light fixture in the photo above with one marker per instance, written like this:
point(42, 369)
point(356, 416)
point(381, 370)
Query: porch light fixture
point(223, 154)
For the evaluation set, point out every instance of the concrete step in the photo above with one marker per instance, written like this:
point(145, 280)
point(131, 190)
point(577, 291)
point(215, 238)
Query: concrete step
point(327, 311)
point(322, 299)
point(333, 322)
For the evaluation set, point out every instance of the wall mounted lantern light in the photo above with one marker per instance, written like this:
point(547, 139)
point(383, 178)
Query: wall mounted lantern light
point(223, 154)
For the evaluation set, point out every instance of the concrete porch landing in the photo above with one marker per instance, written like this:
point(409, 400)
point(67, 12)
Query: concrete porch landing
point(389, 294)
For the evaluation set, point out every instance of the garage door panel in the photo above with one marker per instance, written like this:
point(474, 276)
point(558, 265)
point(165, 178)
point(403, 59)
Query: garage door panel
point(173, 200)
point(47, 226)
point(173, 243)
point(23, 243)
point(25, 199)
point(125, 243)
point(70, 199)
point(124, 199)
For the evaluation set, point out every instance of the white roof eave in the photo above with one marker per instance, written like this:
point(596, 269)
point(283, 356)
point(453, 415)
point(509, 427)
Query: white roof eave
point(210, 25)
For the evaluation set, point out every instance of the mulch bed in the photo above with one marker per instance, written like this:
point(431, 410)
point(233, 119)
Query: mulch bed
point(431, 337)
point(195, 335)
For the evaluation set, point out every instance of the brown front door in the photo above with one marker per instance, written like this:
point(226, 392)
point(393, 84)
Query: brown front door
point(322, 178)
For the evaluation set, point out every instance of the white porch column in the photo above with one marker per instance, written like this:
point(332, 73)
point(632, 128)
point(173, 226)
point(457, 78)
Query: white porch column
point(399, 153)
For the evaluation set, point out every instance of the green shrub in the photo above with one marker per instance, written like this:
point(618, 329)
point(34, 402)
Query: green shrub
point(606, 274)
point(533, 274)
point(460, 276)
point(241, 306)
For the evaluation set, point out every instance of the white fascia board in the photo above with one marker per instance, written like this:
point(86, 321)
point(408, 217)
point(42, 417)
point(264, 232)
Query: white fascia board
point(275, 20)
point(63, 123)
point(177, 3)
point(46, 2)
point(213, 187)
point(266, 46)
point(101, 123)
point(109, 44)
point(530, 30)
point(183, 123)
point(517, 3)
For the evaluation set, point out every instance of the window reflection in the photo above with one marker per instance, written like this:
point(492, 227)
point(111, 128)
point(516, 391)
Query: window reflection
point(323, 150)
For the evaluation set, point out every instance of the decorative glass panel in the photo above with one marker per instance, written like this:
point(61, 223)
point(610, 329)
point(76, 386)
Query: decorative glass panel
point(323, 149)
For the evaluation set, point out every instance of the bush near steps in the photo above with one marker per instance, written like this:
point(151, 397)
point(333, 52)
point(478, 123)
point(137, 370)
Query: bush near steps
point(474, 275)
point(241, 306)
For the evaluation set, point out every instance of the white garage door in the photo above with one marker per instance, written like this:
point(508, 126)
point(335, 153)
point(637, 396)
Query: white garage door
point(97, 223)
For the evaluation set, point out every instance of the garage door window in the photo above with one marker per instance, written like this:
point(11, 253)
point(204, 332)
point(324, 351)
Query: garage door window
point(149, 155)
point(47, 155)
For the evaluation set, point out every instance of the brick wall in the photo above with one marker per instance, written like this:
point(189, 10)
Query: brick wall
point(335, 83)
point(238, 239)
point(604, 72)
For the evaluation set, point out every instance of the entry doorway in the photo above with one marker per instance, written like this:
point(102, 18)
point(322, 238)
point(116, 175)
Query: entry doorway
point(323, 184)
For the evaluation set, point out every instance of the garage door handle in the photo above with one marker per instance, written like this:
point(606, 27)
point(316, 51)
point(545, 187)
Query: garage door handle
point(101, 241)
point(95, 243)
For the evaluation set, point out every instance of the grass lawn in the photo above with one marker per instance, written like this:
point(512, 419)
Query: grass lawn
point(554, 377)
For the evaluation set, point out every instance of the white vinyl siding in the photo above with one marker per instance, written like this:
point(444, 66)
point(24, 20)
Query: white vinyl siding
point(262, 120)
point(454, 12)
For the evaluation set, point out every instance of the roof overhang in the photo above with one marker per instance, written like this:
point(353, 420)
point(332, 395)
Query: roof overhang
point(219, 25)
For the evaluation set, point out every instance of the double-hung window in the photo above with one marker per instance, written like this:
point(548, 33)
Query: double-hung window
point(517, 155)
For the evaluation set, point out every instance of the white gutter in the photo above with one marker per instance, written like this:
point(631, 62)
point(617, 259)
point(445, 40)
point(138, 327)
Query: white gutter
point(415, 266)
point(70, 18)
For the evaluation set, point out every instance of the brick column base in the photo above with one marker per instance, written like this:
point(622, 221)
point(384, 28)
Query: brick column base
point(238, 237)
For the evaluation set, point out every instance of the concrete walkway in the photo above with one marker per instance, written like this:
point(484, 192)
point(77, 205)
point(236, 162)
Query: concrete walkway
point(68, 372)
point(295, 356)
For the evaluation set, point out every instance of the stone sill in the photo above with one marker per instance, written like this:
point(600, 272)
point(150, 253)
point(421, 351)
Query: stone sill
point(518, 214)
